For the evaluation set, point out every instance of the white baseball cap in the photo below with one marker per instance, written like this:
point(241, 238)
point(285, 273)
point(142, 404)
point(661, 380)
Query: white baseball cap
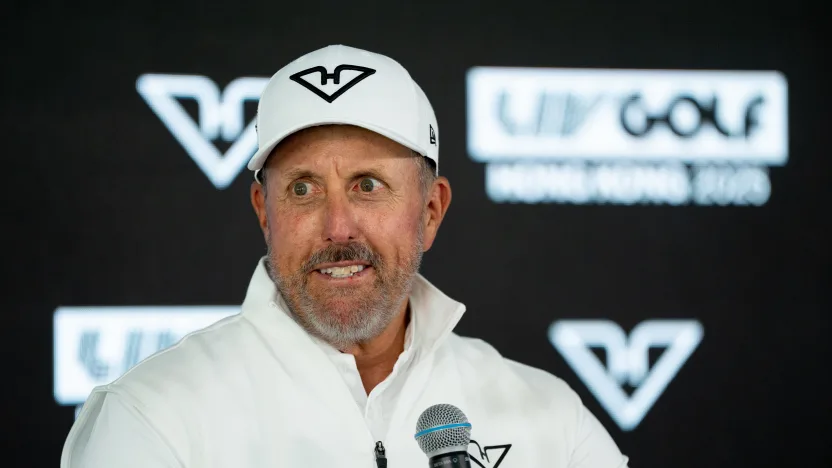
point(344, 85)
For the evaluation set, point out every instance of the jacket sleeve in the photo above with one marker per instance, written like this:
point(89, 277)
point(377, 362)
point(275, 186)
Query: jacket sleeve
point(594, 448)
point(110, 432)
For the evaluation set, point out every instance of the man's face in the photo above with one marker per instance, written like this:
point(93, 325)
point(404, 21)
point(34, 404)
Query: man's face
point(345, 223)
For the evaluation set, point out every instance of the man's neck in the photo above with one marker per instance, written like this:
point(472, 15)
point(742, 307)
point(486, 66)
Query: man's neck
point(375, 359)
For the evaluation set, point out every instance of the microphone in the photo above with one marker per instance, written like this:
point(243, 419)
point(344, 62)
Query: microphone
point(443, 433)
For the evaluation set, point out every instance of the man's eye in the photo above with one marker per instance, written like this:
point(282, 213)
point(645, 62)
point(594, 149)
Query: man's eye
point(368, 184)
point(301, 188)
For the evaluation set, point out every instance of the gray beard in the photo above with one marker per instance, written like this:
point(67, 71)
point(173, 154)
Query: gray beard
point(373, 312)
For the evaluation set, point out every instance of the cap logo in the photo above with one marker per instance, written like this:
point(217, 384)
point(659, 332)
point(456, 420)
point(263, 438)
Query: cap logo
point(335, 77)
point(432, 134)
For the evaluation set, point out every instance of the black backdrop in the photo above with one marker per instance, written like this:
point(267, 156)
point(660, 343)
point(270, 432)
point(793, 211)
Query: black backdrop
point(104, 207)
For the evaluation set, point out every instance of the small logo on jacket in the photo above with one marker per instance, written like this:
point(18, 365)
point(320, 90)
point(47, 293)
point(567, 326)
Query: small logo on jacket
point(332, 92)
point(628, 360)
point(490, 456)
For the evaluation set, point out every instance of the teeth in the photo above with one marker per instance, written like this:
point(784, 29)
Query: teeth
point(342, 272)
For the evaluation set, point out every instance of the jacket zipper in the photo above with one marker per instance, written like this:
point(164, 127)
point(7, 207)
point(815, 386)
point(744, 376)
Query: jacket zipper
point(381, 458)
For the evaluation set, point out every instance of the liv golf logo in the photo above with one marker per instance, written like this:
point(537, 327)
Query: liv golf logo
point(627, 136)
point(220, 116)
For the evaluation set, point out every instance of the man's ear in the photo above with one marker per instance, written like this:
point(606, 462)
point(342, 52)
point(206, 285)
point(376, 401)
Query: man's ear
point(258, 202)
point(439, 199)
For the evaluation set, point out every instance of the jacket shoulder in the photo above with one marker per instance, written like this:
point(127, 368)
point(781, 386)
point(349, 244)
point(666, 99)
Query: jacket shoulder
point(484, 363)
point(157, 391)
point(189, 366)
point(519, 395)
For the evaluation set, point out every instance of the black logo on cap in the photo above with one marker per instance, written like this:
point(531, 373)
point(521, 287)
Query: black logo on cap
point(432, 135)
point(335, 76)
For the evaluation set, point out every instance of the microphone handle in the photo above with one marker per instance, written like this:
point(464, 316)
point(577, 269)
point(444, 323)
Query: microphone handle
point(450, 460)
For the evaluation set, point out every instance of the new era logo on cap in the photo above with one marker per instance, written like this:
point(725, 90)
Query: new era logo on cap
point(306, 78)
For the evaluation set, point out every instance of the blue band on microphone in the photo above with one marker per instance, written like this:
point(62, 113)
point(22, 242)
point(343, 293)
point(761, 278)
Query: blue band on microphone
point(439, 428)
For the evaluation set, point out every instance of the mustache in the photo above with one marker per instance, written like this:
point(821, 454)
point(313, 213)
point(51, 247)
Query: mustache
point(354, 251)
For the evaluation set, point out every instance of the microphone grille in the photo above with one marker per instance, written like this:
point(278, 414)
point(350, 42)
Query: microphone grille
point(443, 428)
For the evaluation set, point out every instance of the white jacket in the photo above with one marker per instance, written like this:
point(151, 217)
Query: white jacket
point(256, 391)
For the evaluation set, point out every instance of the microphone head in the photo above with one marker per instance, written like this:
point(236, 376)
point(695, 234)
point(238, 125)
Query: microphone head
point(442, 429)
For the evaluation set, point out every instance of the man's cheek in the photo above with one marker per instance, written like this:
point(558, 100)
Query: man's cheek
point(290, 230)
point(396, 238)
point(406, 228)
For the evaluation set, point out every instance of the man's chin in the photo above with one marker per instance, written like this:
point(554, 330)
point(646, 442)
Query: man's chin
point(347, 322)
point(344, 309)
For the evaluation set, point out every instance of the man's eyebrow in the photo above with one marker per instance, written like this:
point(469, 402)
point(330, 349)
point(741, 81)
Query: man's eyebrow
point(298, 173)
point(301, 173)
point(373, 171)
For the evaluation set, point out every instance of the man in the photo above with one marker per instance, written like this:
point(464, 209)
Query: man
point(340, 343)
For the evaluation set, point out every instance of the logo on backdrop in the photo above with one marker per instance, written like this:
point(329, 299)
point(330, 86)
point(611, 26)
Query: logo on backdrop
point(337, 89)
point(627, 360)
point(221, 115)
point(96, 345)
point(627, 136)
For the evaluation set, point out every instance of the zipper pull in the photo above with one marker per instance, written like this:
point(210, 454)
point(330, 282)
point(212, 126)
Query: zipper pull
point(381, 459)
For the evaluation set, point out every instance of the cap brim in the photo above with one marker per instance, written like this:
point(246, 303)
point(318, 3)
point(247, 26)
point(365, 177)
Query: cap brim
point(259, 159)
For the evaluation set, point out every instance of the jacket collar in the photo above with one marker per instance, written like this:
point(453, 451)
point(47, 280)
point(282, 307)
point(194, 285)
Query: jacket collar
point(434, 314)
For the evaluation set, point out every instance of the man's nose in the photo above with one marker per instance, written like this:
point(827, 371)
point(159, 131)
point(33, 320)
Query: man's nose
point(340, 225)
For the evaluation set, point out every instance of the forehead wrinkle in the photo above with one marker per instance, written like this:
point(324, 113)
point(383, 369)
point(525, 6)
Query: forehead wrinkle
point(326, 145)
